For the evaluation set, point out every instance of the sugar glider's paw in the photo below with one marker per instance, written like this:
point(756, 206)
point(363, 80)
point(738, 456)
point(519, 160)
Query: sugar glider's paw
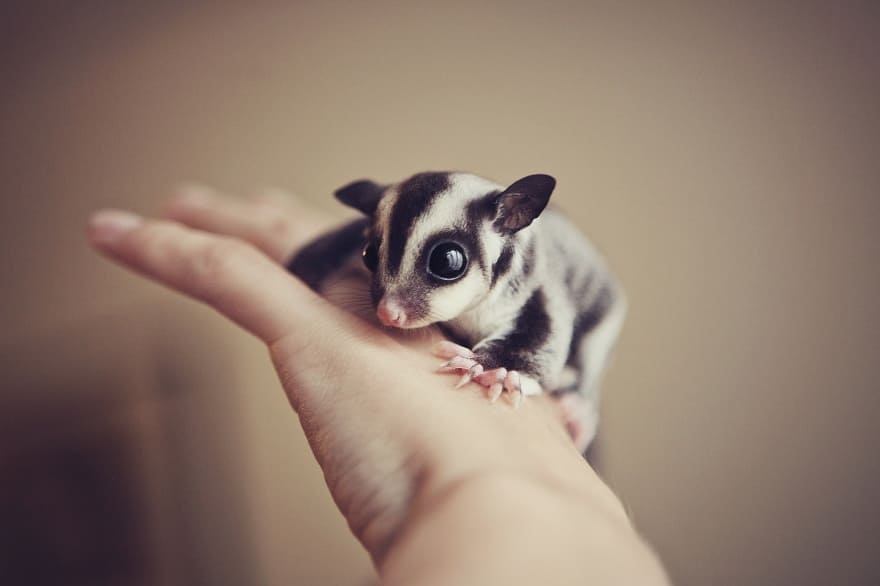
point(497, 380)
point(580, 416)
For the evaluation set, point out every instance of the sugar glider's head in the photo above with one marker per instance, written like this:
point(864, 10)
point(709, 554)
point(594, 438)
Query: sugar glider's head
point(437, 242)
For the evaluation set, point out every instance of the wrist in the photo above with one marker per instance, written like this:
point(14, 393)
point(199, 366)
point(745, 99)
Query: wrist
point(494, 526)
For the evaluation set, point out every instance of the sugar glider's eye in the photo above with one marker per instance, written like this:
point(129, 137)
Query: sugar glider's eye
point(447, 261)
point(371, 256)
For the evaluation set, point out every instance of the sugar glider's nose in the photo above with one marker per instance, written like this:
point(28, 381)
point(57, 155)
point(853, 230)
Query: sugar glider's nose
point(391, 313)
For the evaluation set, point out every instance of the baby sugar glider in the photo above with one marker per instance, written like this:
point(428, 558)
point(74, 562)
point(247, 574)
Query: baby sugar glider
point(527, 300)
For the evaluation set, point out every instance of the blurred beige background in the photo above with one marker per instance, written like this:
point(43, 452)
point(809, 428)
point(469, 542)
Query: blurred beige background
point(725, 158)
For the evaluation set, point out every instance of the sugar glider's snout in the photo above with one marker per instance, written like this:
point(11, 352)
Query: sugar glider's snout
point(393, 308)
point(403, 308)
point(391, 312)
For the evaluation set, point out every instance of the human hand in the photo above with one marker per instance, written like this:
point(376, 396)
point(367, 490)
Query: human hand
point(396, 443)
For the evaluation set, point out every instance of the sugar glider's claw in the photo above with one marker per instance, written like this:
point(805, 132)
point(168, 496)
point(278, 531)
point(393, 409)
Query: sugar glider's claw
point(513, 385)
point(495, 391)
point(493, 380)
point(457, 363)
point(490, 377)
point(447, 349)
point(472, 373)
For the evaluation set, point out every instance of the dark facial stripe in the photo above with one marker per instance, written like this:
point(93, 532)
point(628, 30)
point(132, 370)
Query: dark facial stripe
point(502, 265)
point(528, 264)
point(482, 208)
point(377, 291)
point(476, 214)
point(416, 195)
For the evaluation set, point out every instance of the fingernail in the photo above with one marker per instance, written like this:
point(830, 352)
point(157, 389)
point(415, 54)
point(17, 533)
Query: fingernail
point(107, 226)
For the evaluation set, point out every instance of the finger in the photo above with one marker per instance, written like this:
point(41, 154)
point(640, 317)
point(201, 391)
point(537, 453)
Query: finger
point(456, 363)
point(276, 229)
point(228, 274)
point(447, 349)
point(274, 196)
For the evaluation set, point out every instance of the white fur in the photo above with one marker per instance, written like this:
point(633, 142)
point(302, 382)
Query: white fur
point(450, 301)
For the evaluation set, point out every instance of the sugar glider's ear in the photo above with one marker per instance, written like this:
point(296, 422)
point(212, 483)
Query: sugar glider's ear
point(361, 195)
point(522, 202)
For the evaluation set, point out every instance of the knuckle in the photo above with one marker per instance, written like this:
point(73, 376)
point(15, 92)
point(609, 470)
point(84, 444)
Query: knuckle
point(160, 244)
point(220, 258)
point(279, 226)
point(267, 198)
point(273, 222)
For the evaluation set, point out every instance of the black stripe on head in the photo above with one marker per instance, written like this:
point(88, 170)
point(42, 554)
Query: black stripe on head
point(415, 195)
point(502, 265)
point(476, 213)
point(528, 264)
point(483, 208)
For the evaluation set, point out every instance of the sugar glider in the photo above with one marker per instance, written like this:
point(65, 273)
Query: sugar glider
point(525, 300)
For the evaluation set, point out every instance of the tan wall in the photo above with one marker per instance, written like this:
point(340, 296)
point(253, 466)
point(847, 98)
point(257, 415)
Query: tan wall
point(726, 159)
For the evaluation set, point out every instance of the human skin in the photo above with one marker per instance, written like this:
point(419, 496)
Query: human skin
point(439, 485)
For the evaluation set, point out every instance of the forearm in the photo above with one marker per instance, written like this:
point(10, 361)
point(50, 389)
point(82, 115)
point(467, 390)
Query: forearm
point(512, 529)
